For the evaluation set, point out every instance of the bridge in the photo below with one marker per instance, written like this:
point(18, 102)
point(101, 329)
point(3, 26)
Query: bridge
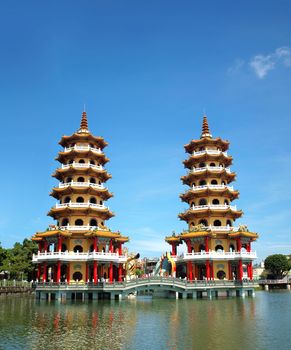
point(166, 286)
point(284, 283)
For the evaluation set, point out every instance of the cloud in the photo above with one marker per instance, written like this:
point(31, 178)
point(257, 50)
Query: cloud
point(237, 66)
point(263, 64)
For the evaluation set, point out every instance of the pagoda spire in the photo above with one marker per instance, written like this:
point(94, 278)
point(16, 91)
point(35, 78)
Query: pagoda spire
point(205, 128)
point(84, 123)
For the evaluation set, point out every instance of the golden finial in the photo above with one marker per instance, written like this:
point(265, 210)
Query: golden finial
point(205, 127)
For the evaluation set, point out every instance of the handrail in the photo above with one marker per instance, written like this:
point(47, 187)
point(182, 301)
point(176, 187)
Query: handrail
point(82, 148)
point(214, 206)
point(208, 167)
point(81, 184)
point(82, 165)
point(80, 205)
point(214, 187)
point(209, 151)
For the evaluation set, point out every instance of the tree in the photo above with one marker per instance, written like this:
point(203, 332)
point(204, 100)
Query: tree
point(278, 265)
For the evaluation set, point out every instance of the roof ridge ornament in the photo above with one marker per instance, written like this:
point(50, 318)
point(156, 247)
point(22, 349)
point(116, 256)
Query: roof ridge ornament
point(84, 123)
point(205, 128)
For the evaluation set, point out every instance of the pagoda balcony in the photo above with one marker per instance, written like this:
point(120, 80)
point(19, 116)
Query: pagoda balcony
point(213, 255)
point(221, 228)
point(83, 148)
point(209, 151)
point(82, 165)
point(212, 187)
point(81, 184)
point(211, 168)
point(79, 228)
point(214, 207)
point(81, 205)
point(68, 256)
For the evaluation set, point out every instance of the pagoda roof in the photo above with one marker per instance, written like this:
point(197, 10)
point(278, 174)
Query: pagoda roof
point(38, 236)
point(103, 193)
point(193, 194)
point(227, 212)
point(62, 172)
point(246, 234)
point(63, 156)
point(194, 159)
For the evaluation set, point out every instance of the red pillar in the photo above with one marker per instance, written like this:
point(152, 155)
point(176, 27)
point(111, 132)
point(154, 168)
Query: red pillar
point(251, 271)
point(110, 246)
point(95, 273)
point(196, 271)
point(44, 272)
point(39, 246)
point(229, 271)
point(206, 244)
point(190, 271)
point(60, 241)
point(212, 271)
point(45, 246)
point(239, 244)
point(119, 272)
point(207, 270)
point(249, 247)
point(120, 249)
point(58, 272)
point(95, 248)
point(110, 272)
point(87, 272)
point(68, 273)
point(240, 270)
point(173, 249)
point(189, 246)
point(38, 272)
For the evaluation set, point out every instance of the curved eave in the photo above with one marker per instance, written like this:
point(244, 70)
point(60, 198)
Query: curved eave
point(81, 137)
point(194, 234)
point(101, 174)
point(190, 195)
point(172, 239)
point(39, 235)
point(63, 156)
point(224, 144)
point(104, 214)
point(187, 179)
point(102, 193)
point(247, 234)
point(188, 163)
point(107, 234)
point(189, 214)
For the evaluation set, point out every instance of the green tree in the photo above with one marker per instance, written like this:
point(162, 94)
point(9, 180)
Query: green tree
point(278, 265)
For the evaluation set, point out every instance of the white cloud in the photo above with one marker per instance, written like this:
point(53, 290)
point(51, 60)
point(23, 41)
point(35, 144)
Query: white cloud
point(263, 64)
point(237, 66)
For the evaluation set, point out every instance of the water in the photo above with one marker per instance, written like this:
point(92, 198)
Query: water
point(259, 323)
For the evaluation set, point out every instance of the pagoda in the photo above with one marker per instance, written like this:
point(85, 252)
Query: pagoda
point(79, 247)
point(215, 248)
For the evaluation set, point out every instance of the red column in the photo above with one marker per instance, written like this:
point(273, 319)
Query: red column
point(196, 271)
point(95, 248)
point(240, 270)
point(212, 271)
point(44, 272)
point(206, 244)
point(119, 272)
point(190, 271)
point(110, 246)
point(110, 272)
point(229, 271)
point(95, 273)
point(239, 244)
point(173, 249)
point(120, 249)
point(60, 243)
point(87, 272)
point(38, 272)
point(39, 246)
point(68, 273)
point(207, 270)
point(251, 271)
point(249, 247)
point(58, 272)
point(189, 246)
point(45, 246)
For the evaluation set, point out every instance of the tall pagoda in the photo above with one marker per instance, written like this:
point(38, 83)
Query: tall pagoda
point(80, 248)
point(216, 249)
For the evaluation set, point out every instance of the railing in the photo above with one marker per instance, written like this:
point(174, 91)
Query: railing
point(77, 256)
point(212, 187)
point(81, 184)
point(82, 165)
point(220, 255)
point(208, 167)
point(209, 151)
point(82, 148)
point(214, 206)
point(79, 228)
point(222, 228)
point(80, 205)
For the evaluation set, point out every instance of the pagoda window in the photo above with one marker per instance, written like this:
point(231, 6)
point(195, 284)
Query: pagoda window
point(93, 222)
point(70, 161)
point(226, 202)
point(81, 161)
point(78, 248)
point(192, 224)
point(201, 148)
point(92, 180)
point(92, 162)
point(229, 223)
point(212, 164)
point(193, 184)
point(244, 248)
point(102, 223)
point(217, 223)
point(203, 201)
point(231, 248)
point(201, 165)
point(214, 182)
point(64, 247)
point(192, 204)
point(201, 248)
point(93, 200)
point(79, 222)
point(202, 183)
point(219, 248)
point(65, 222)
point(80, 179)
point(100, 183)
point(203, 222)
point(223, 183)
point(215, 201)
point(91, 249)
point(69, 179)
point(67, 200)
point(80, 200)
point(77, 276)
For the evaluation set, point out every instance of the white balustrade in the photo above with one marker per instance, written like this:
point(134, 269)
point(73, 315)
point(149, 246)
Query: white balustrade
point(81, 184)
point(79, 228)
point(214, 206)
point(80, 205)
point(82, 148)
point(209, 151)
point(82, 165)
point(219, 255)
point(208, 167)
point(212, 187)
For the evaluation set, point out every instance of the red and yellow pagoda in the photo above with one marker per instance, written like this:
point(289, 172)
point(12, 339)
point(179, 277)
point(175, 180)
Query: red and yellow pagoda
point(215, 248)
point(80, 247)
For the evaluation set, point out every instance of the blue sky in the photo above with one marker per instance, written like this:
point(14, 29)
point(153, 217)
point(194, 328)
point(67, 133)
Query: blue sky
point(146, 70)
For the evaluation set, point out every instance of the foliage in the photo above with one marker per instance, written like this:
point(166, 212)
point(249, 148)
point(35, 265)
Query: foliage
point(17, 261)
point(138, 272)
point(278, 265)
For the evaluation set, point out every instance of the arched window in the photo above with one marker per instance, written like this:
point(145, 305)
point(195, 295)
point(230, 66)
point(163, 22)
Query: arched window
point(192, 204)
point(223, 183)
point(229, 223)
point(214, 182)
point(212, 164)
point(64, 247)
point(201, 247)
point(193, 184)
point(91, 248)
point(77, 276)
point(92, 180)
point(102, 223)
point(231, 248)
point(101, 202)
point(78, 248)
point(93, 200)
point(81, 179)
point(93, 222)
point(215, 201)
point(92, 162)
point(217, 223)
point(202, 183)
point(201, 148)
point(219, 248)
point(81, 161)
point(69, 179)
point(65, 222)
point(80, 200)
point(201, 165)
point(67, 200)
point(221, 275)
point(192, 224)
point(244, 248)
point(100, 183)
point(203, 222)
point(202, 201)
point(226, 202)
point(79, 222)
